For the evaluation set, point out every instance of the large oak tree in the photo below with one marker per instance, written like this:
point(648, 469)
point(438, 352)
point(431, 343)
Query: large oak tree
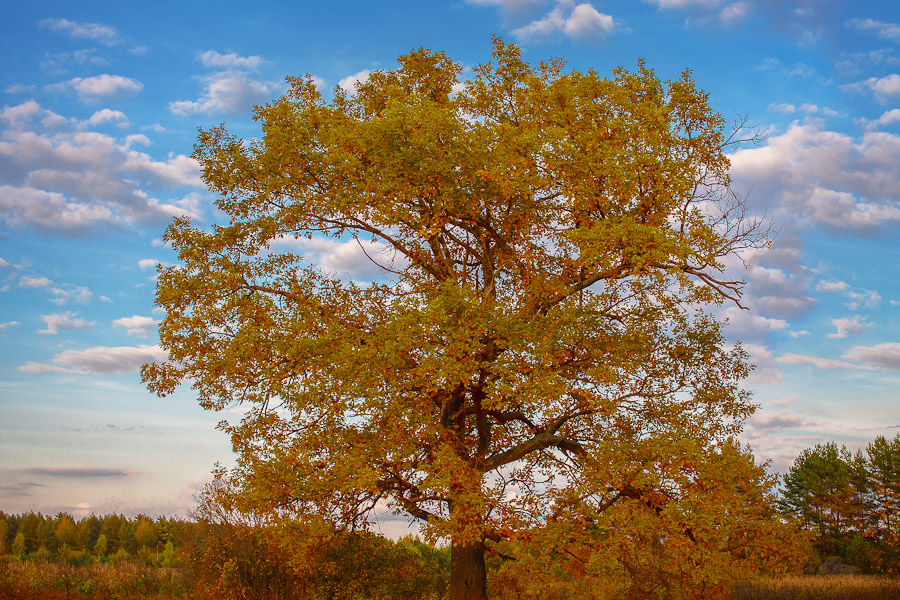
point(535, 343)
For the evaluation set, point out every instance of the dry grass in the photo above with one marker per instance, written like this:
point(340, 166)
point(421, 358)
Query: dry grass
point(52, 581)
point(821, 587)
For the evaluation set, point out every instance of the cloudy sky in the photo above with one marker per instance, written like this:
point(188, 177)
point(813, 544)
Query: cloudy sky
point(99, 106)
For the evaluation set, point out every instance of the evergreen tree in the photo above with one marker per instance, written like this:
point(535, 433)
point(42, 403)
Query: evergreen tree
point(822, 490)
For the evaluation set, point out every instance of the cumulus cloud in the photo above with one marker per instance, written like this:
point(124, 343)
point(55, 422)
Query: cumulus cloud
point(765, 370)
point(746, 326)
point(8, 324)
point(832, 286)
point(147, 263)
point(782, 107)
point(849, 326)
point(350, 82)
point(228, 92)
point(102, 88)
point(775, 292)
point(885, 356)
point(867, 298)
point(734, 12)
point(70, 293)
point(87, 31)
point(29, 282)
point(214, 59)
point(826, 178)
point(136, 325)
point(58, 177)
point(886, 89)
point(573, 20)
point(62, 321)
point(99, 360)
point(107, 115)
point(887, 31)
point(343, 257)
point(890, 117)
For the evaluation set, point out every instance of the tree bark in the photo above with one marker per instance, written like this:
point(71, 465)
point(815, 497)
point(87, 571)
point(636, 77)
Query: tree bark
point(468, 576)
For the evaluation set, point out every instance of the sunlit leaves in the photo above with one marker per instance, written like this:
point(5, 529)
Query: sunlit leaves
point(537, 329)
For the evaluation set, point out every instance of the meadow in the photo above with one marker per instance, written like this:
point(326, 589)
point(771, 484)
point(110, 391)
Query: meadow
point(31, 580)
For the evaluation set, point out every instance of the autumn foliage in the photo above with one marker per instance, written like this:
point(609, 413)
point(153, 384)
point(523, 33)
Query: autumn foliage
point(532, 360)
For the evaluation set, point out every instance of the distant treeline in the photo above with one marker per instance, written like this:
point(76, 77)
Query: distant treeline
point(219, 560)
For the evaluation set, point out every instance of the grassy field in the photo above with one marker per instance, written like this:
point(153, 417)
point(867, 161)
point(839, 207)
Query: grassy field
point(821, 587)
point(53, 581)
point(126, 581)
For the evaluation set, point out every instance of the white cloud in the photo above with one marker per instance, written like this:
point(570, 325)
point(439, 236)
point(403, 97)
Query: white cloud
point(578, 21)
point(59, 177)
point(109, 116)
point(50, 211)
point(765, 371)
point(886, 89)
point(136, 138)
point(136, 325)
point(3, 263)
point(813, 176)
point(29, 282)
point(147, 263)
point(350, 82)
point(832, 286)
point(734, 12)
point(71, 293)
point(884, 356)
point(102, 88)
point(100, 360)
point(887, 31)
point(890, 117)
point(849, 326)
point(782, 107)
point(228, 92)
point(744, 325)
point(816, 361)
point(90, 31)
point(62, 321)
point(344, 257)
point(867, 298)
point(214, 59)
point(773, 292)
point(7, 325)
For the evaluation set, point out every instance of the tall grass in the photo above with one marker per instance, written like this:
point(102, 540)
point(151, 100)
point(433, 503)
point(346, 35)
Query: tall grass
point(821, 587)
point(58, 581)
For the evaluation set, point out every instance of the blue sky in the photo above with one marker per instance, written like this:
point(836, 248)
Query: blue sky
point(99, 107)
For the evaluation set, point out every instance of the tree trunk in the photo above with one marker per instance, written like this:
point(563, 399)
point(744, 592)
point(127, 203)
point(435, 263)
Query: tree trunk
point(468, 576)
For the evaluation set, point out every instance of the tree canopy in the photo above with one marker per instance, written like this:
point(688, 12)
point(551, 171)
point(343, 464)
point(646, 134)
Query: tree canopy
point(534, 346)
